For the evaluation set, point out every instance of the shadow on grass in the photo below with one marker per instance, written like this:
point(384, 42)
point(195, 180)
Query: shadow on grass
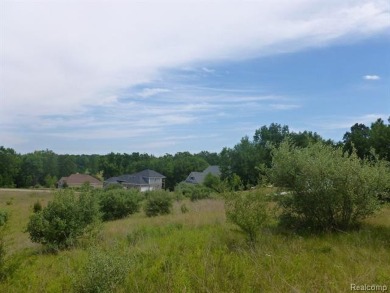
point(366, 234)
point(371, 235)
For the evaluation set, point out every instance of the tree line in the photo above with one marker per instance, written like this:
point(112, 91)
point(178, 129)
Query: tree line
point(242, 165)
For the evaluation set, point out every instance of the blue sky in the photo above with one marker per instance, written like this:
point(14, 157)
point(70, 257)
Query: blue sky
point(163, 77)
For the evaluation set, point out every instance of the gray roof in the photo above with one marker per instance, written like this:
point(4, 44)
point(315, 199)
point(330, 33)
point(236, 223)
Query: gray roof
point(213, 170)
point(140, 178)
point(149, 174)
point(195, 177)
point(198, 177)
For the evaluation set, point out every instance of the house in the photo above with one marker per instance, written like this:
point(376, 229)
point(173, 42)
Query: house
point(144, 180)
point(77, 180)
point(198, 177)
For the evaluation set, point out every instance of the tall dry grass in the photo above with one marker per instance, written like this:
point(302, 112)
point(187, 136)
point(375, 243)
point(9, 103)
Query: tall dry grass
point(19, 204)
point(196, 251)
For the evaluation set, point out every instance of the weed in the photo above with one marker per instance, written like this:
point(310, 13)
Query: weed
point(158, 203)
point(104, 271)
point(195, 252)
point(37, 206)
point(184, 208)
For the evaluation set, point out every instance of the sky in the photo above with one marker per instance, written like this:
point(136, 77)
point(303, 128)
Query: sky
point(93, 77)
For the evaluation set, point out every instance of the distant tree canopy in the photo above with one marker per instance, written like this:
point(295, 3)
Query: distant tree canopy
point(45, 168)
point(364, 139)
point(9, 166)
point(241, 165)
point(246, 158)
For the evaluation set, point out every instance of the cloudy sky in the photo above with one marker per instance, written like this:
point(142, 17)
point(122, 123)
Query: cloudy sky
point(84, 76)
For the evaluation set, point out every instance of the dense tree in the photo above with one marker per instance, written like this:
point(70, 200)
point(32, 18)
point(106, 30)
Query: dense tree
point(358, 138)
point(267, 136)
point(242, 165)
point(210, 158)
point(31, 170)
point(9, 166)
point(244, 159)
point(273, 134)
point(306, 138)
point(114, 164)
point(165, 165)
point(111, 164)
point(176, 168)
point(380, 138)
point(366, 139)
point(185, 163)
point(66, 165)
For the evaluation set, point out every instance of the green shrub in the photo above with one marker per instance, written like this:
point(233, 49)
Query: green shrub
point(184, 189)
point(119, 203)
point(215, 183)
point(193, 191)
point(3, 218)
point(158, 203)
point(200, 192)
point(37, 206)
point(3, 222)
point(64, 220)
point(104, 271)
point(113, 186)
point(50, 181)
point(328, 190)
point(184, 208)
point(248, 210)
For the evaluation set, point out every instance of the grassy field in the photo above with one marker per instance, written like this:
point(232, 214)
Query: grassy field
point(197, 251)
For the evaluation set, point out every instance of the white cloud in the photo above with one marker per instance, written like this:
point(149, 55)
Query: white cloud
point(148, 92)
point(208, 70)
point(107, 100)
point(64, 57)
point(348, 122)
point(371, 77)
point(284, 106)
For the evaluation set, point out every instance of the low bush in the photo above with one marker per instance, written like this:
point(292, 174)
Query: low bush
point(328, 189)
point(119, 203)
point(64, 220)
point(215, 183)
point(184, 208)
point(104, 271)
point(184, 189)
point(193, 191)
point(158, 203)
point(200, 192)
point(37, 206)
point(248, 210)
point(113, 186)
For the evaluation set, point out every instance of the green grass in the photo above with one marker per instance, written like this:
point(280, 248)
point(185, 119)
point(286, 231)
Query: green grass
point(195, 251)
